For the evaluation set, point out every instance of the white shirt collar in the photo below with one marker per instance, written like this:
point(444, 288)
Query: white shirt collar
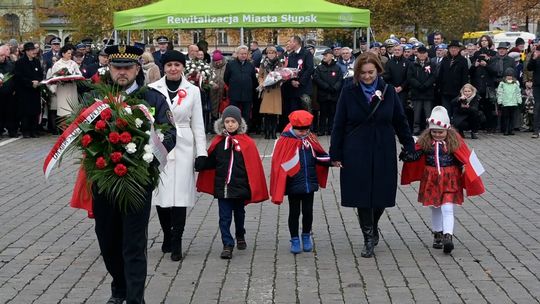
point(298, 50)
point(134, 86)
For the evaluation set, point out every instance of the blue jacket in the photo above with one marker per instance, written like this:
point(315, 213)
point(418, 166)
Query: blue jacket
point(305, 181)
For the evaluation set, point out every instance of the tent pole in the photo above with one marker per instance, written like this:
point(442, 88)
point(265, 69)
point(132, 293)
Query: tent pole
point(241, 36)
point(128, 38)
point(115, 36)
point(368, 37)
point(355, 37)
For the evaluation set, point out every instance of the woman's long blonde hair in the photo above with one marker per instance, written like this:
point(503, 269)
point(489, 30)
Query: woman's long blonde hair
point(452, 140)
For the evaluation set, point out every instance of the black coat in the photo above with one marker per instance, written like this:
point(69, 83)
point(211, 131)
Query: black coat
point(369, 175)
point(395, 73)
point(47, 59)
point(7, 88)
point(328, 78)
point(481, 77)
point(421, 80)
point(534, 66)
point(497, 66)
point(241, 79)
point(460, 114)
point(304, 75)
point(28, 97)
point(238, 188)
point(453, 76)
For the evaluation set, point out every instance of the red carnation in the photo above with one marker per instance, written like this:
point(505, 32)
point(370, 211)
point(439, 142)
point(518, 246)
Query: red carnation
point(101, 125)
point(120, 170)
point(125, 137)
point(106, 114)
point(114, 137)
point(86, 140)
point(116, 157)
point(101, 163)
point(121, 123)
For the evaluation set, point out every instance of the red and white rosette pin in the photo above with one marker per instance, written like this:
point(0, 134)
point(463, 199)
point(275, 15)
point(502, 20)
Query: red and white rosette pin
point(181, 95)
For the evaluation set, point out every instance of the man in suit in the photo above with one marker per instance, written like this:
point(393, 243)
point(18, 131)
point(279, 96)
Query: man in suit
point(54, 52)
point(296, 89)
point(437, 40)
point(163, 43)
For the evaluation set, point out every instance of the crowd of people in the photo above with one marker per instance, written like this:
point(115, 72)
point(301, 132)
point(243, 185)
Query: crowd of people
point(361, 100)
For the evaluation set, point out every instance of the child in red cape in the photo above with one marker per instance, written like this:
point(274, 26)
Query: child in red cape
point(445, 166)
point(233, 173)
point(299, 167)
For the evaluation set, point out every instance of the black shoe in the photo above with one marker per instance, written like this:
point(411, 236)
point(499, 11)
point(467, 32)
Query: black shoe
point(115, 300)
point(25, 135)
point(506, 133)
point(437, 240)
point(474, 136)
point(12, 135)
point(226, 254)
point(448, 245)
point(368, 250)
point(320, 134)
point(176, 248)
point(273, 135)
point(375, 237)
point(176, 255)
point(511, 133)
point(241, 243)
point(166, 246)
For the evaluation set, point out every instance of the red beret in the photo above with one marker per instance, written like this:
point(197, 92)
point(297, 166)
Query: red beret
point(300, 119)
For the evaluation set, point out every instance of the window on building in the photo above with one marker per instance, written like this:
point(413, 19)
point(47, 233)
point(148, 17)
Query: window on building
point(197, 36)
point(222, 37)
point(12, 25)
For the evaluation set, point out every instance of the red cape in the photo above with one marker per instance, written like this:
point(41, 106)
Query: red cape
point(284, 151)
point(82, 196)
point(412, 171)
point(254, 168)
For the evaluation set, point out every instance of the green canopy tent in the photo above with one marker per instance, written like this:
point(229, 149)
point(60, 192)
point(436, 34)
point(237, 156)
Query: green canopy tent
point(184, 14)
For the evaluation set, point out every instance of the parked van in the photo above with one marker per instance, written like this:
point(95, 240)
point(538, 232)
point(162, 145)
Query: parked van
point(511, 37)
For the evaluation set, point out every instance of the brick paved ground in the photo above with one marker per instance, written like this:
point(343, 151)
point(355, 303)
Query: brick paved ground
point(49, 253)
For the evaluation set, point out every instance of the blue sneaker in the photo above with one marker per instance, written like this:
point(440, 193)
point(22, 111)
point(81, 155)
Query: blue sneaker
point(295, 245)
point(306, 241)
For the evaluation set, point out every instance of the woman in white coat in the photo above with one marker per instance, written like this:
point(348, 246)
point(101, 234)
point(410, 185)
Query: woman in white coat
point(176, 191)
point(66, 92)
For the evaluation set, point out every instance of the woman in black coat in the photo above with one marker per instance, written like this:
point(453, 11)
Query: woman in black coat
point(28, 74)
point(363, 145)
point(465, 112)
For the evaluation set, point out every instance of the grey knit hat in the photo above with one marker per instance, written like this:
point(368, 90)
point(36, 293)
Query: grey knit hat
point(234, 112)
point(509, 72)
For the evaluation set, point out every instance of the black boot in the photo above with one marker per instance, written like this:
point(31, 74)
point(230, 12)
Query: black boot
point(273, 126)
point(365, 216)
point(437, 240)
point(448, 245)
point(164, 215)
point(178, 221)
point(377, 213)
point(266, 127)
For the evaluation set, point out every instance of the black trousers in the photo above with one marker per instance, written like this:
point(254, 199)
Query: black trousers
point(326, 118)
point(536, 121)
point(507, 119)
point(30, 124)
point(245, 107)
point(303, 203)
point(369, 220)
point(122, 238)
point(172, 219)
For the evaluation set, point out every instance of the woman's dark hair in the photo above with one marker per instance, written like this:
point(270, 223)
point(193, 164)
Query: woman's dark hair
point(365, 58)
point(66, 48)
point(489, 40)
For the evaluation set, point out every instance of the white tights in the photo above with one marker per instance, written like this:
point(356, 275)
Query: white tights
point(442, 219)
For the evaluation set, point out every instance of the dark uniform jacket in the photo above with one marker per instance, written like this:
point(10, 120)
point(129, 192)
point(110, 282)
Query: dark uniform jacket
point(28, 97)
point(328, 78)
point(395, 73)
point(534, 66)
point(47, 59)
point(241, 79)
point(303, 58)
point(421, 80)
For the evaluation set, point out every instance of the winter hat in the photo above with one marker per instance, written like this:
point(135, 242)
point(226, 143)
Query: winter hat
point(439, 119)
point(515, 55)
point(173, 55)
point(520, 41)
point(232, 111)
point(300, 119)
point(217, 55)
point(509, 72)
point(29, 46)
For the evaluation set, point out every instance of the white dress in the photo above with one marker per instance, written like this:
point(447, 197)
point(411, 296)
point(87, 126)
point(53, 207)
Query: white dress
point(66, 93)
point(177, 185)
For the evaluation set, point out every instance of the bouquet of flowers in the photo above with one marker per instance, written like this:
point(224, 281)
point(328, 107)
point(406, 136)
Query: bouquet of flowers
point(119, 145)
point(5, 77)
point(200, 74)
point(280, 75)
point(63, 75)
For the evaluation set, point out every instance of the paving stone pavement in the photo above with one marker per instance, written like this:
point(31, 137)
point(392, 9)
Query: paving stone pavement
point(49, 252)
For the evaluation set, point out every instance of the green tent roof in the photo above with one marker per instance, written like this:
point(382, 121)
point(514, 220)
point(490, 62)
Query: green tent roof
point(189, 14)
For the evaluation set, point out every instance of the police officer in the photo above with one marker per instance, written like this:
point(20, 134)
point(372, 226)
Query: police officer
point(163, 43)
point(122, 235)
point(54, 52)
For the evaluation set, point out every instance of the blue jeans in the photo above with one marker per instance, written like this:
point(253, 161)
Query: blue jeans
point(226, 208)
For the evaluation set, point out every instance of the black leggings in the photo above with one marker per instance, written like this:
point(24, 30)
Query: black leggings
point(172, 219)
point(297, 202)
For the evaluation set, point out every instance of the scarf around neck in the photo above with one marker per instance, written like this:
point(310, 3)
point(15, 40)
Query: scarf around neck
point(369, 89)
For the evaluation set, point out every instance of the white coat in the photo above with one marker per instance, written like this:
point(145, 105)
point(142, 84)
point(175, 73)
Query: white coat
point(66, 93)
point(177, 185)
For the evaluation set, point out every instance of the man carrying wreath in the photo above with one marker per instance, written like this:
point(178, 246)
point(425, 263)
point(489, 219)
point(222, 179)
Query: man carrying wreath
point(123, 233)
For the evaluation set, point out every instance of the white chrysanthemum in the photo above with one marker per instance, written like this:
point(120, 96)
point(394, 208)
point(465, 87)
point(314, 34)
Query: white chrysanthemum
point(138, 122)
point(128, 111)
point(148, 149)
point(160, 135)
point(148, 132)
point(131, 148)
point(148, 157)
